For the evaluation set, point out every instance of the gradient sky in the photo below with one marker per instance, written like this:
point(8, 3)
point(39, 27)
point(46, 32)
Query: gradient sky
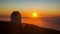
point(49, 7)
point(27, 7)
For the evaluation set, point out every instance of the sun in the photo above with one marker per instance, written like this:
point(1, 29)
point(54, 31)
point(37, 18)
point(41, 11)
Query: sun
point(34, 14)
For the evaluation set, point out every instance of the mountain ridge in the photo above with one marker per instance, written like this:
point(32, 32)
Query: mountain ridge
point(26, 29)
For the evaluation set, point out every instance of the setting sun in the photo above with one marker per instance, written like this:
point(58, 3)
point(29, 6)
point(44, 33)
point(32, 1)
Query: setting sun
point(34, 14)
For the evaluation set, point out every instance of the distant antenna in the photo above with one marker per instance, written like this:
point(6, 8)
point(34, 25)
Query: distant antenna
point(16, 22)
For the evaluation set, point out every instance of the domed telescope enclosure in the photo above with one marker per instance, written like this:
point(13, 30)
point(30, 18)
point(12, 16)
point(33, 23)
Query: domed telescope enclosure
point(16, 17)
point(16, 26)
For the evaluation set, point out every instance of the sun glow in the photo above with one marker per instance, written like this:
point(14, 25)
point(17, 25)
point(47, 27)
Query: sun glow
point(34, 14)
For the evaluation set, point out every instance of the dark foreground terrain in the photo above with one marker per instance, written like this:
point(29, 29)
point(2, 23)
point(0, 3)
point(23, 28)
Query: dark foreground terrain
point(26, 29)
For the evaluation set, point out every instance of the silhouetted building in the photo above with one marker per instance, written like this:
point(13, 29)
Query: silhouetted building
point(16, 26)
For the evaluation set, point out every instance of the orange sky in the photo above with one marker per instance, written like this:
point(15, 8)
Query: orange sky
point(42, 7)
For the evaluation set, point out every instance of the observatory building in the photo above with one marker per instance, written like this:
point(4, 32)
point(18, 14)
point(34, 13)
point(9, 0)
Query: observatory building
point(16, 25)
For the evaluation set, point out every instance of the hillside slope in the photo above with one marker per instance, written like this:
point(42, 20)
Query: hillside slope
point(26, 29)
